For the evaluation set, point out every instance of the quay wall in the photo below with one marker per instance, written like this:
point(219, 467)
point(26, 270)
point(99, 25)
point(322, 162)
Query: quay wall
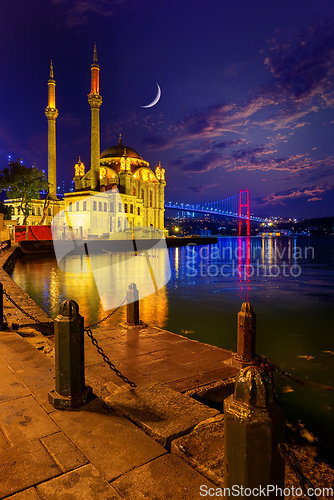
point(14, 317)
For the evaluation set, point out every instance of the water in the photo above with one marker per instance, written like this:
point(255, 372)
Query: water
point(289, 282)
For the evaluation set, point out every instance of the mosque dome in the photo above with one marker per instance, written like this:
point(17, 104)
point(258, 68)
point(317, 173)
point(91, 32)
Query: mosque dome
point(119, 150)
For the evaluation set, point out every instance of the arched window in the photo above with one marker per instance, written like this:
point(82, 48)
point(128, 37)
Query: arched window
point(49, 211)
point(39, 211)
point(33, 211)
point(77, 206)
point(112, 208)
point(84, 206)
point(94, 206)
point(100, 206)
point(70, 206)
point(138, 210)
point(131, 209)
point(105, 207)
point(126, 208)
point(18, 210)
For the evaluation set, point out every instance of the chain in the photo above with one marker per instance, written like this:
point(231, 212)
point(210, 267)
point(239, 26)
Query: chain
point(106, 359)
point(107, 317)
point(293, 462)
point(20, 308)
point(267, 365)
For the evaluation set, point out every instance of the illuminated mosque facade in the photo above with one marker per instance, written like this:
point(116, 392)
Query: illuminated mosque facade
point(91, 209)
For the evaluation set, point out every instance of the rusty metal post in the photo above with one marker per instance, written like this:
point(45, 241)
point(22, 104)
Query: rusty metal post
point(70, 392)
point(246, 337)
point(254, 427)
point(132, 298)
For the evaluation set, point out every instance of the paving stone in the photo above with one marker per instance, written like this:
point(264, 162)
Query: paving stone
point(166, 478)
point(11, 387)
point(85, 483)
point(184, 384)
point(23, 419)
point(30, 494)
point(203, 449)
point(4, 443)
point(110, 442)
point(64, 453)
point(163, 413)
point(25, 465)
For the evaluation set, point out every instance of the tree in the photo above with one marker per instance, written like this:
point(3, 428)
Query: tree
point(7, 210)
point(23, 183)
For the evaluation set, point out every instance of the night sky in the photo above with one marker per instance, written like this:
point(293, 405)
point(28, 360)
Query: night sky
point(247, 93)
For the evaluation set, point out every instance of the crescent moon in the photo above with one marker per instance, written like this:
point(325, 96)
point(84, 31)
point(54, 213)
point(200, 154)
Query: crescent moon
point(157, 97)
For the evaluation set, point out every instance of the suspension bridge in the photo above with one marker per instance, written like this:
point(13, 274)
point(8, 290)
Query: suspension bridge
point(236, 206)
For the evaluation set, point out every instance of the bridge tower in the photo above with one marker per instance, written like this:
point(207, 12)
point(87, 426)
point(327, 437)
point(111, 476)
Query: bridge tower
point(244, 204)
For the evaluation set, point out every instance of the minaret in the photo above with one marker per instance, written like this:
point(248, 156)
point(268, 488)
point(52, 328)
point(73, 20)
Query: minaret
point(95, 101)
point(51, 113)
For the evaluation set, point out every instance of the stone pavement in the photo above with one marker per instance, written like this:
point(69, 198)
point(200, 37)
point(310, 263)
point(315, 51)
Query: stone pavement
point(95, 452)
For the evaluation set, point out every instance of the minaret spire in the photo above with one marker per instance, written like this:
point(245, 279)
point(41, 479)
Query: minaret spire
point(51, 71)
point(51, 113)
point(95, 101)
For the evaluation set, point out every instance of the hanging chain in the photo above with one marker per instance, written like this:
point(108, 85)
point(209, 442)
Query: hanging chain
point(107, 317)
point(293, 462)
point(20, 308)
point(100, 350)
point(267, 365)
point(106, 359)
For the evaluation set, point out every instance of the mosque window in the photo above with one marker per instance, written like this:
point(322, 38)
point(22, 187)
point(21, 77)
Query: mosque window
point(84, 206)
point(120, 208)
point(77, 206)
point(126, 208)
point(105, 207)
point(100, 206)
point(112, 209)
point(18, 210)
point(131, 209)
point(94, 206)
point(138, 210)
point(39, 211)
point(70, 206)
point(49, 211)
point(33, 211)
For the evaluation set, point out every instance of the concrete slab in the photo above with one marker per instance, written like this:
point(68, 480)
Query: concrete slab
point(163, 413)
point(23, 419)
point(25, 465)
point(64, 453)
point(85, 483)
point(11, 387)
point(203, 449)
point(167, 477)
point(30, 494)
point(111, 443)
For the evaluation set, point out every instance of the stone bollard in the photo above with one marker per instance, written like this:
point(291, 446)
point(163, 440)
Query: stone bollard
point(246, 337)
point(132, 298)
point(70, 392)
point(254, 427)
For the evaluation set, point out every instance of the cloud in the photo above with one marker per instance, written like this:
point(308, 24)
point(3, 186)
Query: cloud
point(76, 12)
point(205, 163)
point(202, 189)
point(313, 192)
point(157, 143)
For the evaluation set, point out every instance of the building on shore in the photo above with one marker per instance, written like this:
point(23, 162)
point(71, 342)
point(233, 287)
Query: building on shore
point(91, 209)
